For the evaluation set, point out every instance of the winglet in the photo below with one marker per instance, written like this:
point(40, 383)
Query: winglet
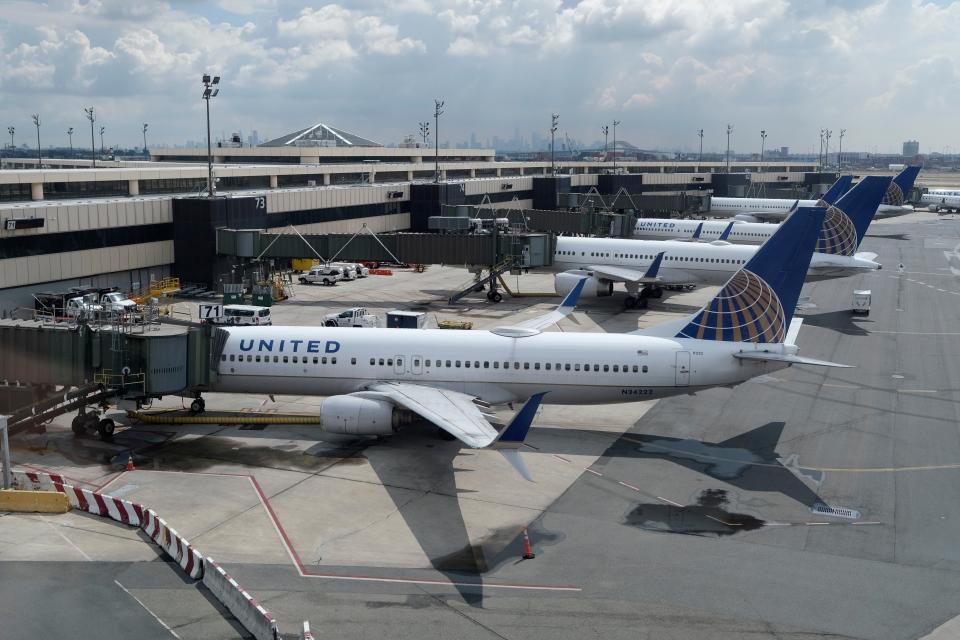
point(513, 436)
point(696, 234)
point(837, 189)
point(570, 301)
point(654, 267)
point(726, 232)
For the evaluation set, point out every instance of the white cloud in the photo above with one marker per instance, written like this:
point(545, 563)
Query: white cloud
point(463, 46)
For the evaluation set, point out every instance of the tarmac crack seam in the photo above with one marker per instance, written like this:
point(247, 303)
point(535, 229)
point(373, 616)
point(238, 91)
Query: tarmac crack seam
point(447, 605)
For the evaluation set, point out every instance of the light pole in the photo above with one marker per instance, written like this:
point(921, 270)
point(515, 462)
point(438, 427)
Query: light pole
point(437, 112)
point(820, 154)
point(10, 130)
point(103, 128)
point(145, 125)
point(424, 131)
point(763, 140)
point(554, 118)
point(700, 154)
point(93, 149)
point(729, 131)
point(606, 132)
point(210, 90)
point(36, 122)
point(840, 152)
point(70, 135)
point(615, 123)
point(826, 148)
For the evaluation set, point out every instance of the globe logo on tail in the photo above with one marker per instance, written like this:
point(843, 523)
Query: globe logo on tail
point(745, 310)
point(894, 195)
point(838, 236)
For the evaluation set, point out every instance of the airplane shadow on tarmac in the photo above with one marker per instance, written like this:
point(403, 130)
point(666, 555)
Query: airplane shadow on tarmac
point(842, 321)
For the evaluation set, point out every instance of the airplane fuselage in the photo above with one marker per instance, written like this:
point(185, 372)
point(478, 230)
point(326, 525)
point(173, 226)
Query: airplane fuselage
point(778, 208)
point(581, 368)
point(692, 262)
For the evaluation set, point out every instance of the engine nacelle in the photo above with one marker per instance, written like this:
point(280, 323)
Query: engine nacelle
point(594, 287)
point(358, 416)
point(746, 217)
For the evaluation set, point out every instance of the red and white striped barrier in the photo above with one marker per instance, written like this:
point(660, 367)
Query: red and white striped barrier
point(251, 614)
point(306, 635)
point(83, 499)
point(173, 543)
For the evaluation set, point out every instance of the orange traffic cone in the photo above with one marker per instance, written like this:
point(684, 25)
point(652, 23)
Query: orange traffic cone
point(527, 550)
point(130, 466)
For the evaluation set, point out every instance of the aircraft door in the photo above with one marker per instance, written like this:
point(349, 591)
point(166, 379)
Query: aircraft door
point(398, 365)
point(683, 368)
point(416, 365)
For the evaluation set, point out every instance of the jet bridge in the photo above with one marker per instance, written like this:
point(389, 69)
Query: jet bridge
point(50, 368)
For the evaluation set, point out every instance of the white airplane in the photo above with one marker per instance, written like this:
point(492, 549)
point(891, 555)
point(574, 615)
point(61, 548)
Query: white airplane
point(948, 191)
point(646, 266)
point(775, 209)
point(740, 232)
point(375, 377)
point(943, 200)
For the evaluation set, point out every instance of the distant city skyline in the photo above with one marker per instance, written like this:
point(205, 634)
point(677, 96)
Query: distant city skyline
point(664, 70)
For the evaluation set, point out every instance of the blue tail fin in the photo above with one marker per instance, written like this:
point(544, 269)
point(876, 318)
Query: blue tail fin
point(848, 219)
point(696, 234)
point(901, 186)
point(838, 189)
point(757, 303)
point(726, 232)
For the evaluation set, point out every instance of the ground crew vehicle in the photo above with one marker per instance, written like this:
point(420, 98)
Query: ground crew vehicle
point(322, 275)
point(355, 317)
point(244, 314)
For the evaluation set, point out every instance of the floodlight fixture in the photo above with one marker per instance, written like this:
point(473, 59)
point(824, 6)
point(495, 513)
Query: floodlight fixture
point(210, 90)
point(93, 147)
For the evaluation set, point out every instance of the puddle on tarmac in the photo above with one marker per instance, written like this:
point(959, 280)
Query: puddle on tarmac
point(199, 454)
point(709, 517)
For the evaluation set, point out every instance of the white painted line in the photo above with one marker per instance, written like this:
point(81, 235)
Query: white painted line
point(840, 386)
point(942, 290)
point(816, 523)
point(68, 540)
point(596, 473)
point(729, 524)
point(669, 502)
point(561, 458)
point(871, 522)
point(628, 486)
point(918, 391)
point(777, 524)
point(442, 583)
point(145, 608)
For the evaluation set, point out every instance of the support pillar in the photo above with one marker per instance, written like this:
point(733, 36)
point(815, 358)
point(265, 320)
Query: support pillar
point(36, 191)
point(326, 178)
point(273, 182)
point(473, 173)
point(133, 187)
point(409, 176)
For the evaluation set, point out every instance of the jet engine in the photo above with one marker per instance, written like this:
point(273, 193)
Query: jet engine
point(746, 217)
point(353, 415)
point(594, 287)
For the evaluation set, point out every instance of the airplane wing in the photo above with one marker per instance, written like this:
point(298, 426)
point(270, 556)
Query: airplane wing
point(865, 255)
point(452, 411)
point(624, 274)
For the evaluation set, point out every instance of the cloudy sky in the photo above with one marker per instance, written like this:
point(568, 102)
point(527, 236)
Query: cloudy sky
point(885, 71)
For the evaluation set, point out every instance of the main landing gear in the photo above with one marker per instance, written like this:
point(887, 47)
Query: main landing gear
point(198, 405)
point(639, 300)
point(85, 422)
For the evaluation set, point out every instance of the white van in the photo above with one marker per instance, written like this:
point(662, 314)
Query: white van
point(349, 270)
point(244, 314)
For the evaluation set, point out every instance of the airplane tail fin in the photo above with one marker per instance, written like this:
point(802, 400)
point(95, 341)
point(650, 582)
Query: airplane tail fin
point(758, 302)
point(900, 186)
point(838, 188)
point(847, 220)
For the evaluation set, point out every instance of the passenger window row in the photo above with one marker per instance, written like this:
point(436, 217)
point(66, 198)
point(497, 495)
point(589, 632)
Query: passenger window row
point(449, 364)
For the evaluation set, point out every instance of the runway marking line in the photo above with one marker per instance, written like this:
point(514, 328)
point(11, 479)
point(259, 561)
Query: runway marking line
point(147, 609)
point(628, 486)
point(676, 504)
point(596, 473)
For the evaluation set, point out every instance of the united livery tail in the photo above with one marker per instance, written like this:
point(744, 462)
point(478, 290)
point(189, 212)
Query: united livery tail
point(847, 221)
point(900, 186)
point(757, 303)
point(838, 189)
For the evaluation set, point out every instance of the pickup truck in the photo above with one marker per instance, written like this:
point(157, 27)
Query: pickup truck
point(70, 305)
point(355, 317)
point(322, 275)
point(117, 302)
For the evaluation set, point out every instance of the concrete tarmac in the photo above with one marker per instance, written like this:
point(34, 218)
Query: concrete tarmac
point(697, 516)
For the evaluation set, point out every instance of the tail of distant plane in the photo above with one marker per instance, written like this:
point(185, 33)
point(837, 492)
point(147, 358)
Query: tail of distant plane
point(847, 221)
point(838, 189)
point(901, 185)
point(757, 303)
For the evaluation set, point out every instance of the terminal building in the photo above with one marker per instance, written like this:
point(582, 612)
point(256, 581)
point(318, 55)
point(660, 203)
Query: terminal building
point(124, 224)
